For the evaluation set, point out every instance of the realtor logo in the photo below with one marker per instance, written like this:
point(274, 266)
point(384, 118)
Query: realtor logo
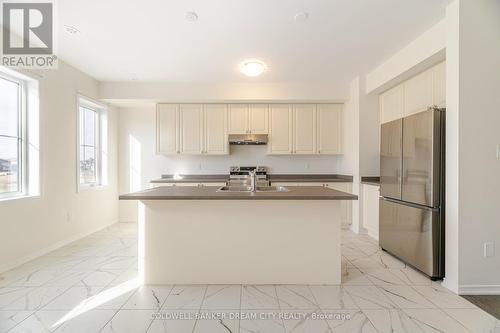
point(28, 34)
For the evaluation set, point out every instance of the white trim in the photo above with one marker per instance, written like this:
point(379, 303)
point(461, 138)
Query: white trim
point(19, 197)
point(91, 102)
point(101, 111)
point(22, 136)
point(24, 259)
point(479, 289)
point(452, 287)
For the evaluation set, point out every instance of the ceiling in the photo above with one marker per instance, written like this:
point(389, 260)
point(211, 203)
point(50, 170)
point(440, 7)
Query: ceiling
point(150, 40)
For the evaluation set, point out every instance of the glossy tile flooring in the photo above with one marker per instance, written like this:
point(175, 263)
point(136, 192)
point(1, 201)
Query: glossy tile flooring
point(91, 286)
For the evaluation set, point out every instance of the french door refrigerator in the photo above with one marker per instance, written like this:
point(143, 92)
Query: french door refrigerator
point(411, 221)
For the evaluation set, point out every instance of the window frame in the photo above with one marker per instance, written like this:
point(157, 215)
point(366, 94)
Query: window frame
point(101, 112)
point(22, 140)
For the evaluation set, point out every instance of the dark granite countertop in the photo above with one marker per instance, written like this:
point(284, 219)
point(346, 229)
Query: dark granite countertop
point(284, 178)
point(210, 193)
point(192, 179)
point(310, 178)
point(370, 180)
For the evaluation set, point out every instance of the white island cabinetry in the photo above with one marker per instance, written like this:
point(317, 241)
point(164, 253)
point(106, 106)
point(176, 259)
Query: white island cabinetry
point(198, 235)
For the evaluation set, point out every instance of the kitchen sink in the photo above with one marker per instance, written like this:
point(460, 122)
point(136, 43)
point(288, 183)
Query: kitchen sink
point(272, 189)
point(235, 189)
point(249, 189)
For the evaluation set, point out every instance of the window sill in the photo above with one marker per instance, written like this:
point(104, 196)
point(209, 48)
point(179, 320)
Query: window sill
point(85, 188)
point(19, 197)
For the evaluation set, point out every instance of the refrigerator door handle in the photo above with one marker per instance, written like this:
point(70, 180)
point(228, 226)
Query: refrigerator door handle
point(410, 204)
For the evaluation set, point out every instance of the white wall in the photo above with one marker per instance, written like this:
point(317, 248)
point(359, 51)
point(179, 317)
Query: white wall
point(423, 52)
point(31, 226)
point(139, 163)
point(452, 134)
point(348, 163)
point(212, 91)
point(473, 135)
point(361, 143)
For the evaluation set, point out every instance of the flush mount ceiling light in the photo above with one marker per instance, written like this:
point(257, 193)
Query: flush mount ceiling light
point(191, 16)
point(71, 30)
point(252, 67)
point(301, 17)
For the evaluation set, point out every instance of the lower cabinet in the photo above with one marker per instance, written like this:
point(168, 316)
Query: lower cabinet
point(346, 205)
point(371, 194)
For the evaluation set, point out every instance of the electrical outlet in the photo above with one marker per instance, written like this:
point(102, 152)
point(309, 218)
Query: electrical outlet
point(498, 152)
point(68, 217)
point(308, 166)
point(199, 166)
point(489, 249)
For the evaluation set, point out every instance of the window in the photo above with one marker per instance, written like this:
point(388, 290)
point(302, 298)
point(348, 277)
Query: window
point(19, 135)
point(10, 137)
point(92, 143)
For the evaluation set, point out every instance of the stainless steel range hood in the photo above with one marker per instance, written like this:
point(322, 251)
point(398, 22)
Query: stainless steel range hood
point(248, 139)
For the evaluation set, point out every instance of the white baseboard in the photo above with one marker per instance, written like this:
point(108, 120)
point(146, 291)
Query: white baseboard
point(479, 290)
point(39, 253)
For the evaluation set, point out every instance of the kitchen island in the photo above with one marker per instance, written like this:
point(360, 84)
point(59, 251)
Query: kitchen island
point(198, 235)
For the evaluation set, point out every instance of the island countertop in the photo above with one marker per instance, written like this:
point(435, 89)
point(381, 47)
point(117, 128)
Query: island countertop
point(210, 193)
point(282, 178)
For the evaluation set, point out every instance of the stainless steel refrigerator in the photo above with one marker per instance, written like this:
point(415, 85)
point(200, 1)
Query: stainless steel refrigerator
point(411, 217)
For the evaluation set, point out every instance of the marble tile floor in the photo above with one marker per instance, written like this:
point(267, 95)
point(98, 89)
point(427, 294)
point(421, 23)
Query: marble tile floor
point(91, 286)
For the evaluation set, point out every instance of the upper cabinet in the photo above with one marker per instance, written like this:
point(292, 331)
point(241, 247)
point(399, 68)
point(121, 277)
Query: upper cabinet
point(308, 129)
point(216, 142)
point(329, 128)
point(280, 129)
point(191, 128)
point(418, 93)
point(415, 95)
point(439, 81)
point(304, 129)
point(238, 118)
point(248, 119)
point(258, 119)
point(167, 129)
point(392, 104)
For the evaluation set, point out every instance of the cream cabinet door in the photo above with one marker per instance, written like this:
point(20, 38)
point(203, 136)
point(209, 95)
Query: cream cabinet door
point(258, 118)
point(439, 85)
point(392, 104)
point(215, 140)
point(418, 93)
point(191, 128)
point(304, 132)
point(329, 118)
point(167, 125)
point(280, 129)
point(238, 118)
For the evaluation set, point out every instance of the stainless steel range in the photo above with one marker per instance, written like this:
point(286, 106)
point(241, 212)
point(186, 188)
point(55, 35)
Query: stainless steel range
point(241, 175)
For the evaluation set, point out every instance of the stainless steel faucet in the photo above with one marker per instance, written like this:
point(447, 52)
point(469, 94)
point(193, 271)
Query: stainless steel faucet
point(253, 180)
